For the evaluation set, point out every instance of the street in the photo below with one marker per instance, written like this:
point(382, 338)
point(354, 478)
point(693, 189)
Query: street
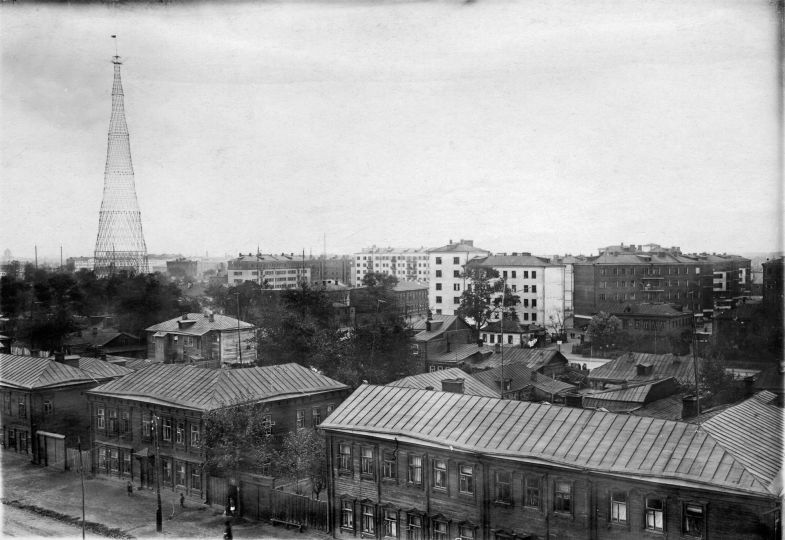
point(26, 524)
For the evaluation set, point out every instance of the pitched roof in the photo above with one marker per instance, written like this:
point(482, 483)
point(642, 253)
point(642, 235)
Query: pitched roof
point(521, 377)
point(134, 364)
point(636, 393)
point(752, 431)
point(32, 372)
point(205, 389)
point(510, 326)
point(198, 324)
point(646, 448)
point(459, 352)
point(101, 369)
point(99, 339)
point(624, 368)
point(457, 247)
point(514, 260)
point(438, 327)
point(471, 386)
point(534, 359)
point(667, 408)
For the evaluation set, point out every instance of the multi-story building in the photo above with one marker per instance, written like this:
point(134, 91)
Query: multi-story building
point(167, 404)
point(330, 270)
point(410, 299)
point(44, 407)
point(538, 282)
point(656, 328)
point(447, 281)
point(772, 283)
point(277, 271)
point(202, 338)
point(419, 464)
point(182, 268)
point(407, 264)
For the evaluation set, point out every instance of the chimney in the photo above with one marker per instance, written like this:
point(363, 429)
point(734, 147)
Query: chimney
point(480, 343)
point(497, 348)
point(211, 318)
point(428, 325)
point(453, 385)
point(429, 387)
point(185, 317)
point(573, 400)
point(689, 407)
point(60, 357)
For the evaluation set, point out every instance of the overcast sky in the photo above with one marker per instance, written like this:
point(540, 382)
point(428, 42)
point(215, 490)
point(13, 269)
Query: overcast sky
point(544, 126)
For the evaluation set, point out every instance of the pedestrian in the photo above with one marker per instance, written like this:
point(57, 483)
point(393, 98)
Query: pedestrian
point(129, 488)
point(182, 500)
point(228, 531)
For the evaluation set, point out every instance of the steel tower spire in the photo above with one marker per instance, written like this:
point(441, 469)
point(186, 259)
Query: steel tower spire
point(120, 242)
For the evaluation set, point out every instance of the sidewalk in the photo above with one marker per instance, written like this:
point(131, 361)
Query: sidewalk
point(107, 503)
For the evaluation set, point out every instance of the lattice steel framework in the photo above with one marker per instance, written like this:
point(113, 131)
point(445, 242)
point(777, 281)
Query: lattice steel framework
point(120, 243)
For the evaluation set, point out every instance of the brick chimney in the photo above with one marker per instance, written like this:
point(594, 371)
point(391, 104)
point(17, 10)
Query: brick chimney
point(689, 407)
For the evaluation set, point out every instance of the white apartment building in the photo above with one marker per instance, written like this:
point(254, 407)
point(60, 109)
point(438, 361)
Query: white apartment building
point(407, 264)
point(280, 271)
point(446, 282)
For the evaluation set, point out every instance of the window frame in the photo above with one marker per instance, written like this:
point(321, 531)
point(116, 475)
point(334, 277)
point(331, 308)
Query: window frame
point(166, 429)
point(316, 416)
point(618, 507)
point(344, 458)
point(411, 468)
point(685, 506)
point(650, 510)
point(532, 485)
point(49, 407)
point(196, 435)
point(196, 473)
point(347, 510)
point(389, 465)
point(390, 525)
point(367, 462)
point(439, 475)
point(410, 535)
point(179, 466)
point(466, 480)
point(559, 502)
point(499, 495)
point(367, 518)
point(100, 418)
point(440, 535)
point(179, 433)
point(299, 421)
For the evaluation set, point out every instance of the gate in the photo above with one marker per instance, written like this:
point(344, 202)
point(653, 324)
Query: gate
point(217, 490)
point(294, 508)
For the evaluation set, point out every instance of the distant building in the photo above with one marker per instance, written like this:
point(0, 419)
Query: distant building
point(517, 382)
point(407, 264)
point(172, 401)
point(330, 270)
point(80, 263)
point(182, 268)
point(656, 328)
point(772, 283)
point(420, 464)
point(639, 367)
point(204, 339)
point(445, 341)
point(101, 341)
point(627, 398)
point(548, 362)
point(44, 407)
point(278, 271)
point(446, 281)
point(447, 380)
point(411, 299)
point(515, 333)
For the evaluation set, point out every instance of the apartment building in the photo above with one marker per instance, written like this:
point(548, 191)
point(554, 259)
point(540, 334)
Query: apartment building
point(406, 264)
point(446, 281)
point(278, 271)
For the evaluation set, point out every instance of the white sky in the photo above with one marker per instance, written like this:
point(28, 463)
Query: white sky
point(544, 126)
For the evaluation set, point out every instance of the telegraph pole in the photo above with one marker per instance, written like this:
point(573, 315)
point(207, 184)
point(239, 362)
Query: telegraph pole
point(158, 518)
point(81, 475)
point(239, 341)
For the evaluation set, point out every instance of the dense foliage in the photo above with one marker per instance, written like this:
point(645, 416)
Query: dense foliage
point(484, 295)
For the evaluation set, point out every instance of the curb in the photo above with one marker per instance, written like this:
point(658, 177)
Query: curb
point(96, 528)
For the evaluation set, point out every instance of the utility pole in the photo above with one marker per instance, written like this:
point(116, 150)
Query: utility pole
point(158, 519)
point(239, 341)
point(81, 475)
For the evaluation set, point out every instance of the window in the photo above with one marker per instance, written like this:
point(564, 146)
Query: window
point(389, 465)
point(534, 288)
point(456, 300)
point(195, 435)
point(456, 286)
point(125, 421)
point(534, 275)
point(347, 514)
point(100, 418)
point(513, 273)
point(456, 260)
point(414, 527)
point(438, 260)
point(618, 507)
point(390, 523)
point(147, 428)
point(316, 415)
point(655, 514)
point(345, 456)
point(534, 316)
point(534, 301)
point(179, 474)
point(48, 407)
point(196, 478)
point(415, 470)
point(7, 402)
point(502, 483)
point(369, 521)
point(693, 519)
point(438, 299)
point(166, 429)
point(438, 273)
point(525, 302)
point(439, 474)
point(456, 273)
point(114, 461)
point(126, 462)
point(514, 288)
point(366, 461)
point(166, 465)
point(465, 532)
point(466, 479)
point(562, 497)
point(113, 420)
point(525, 288)
point(504, 274)
point(438, 286)
point(180, 433)
point(531, 492)
point(439, 530)
point(102, 458)
point(300, 423)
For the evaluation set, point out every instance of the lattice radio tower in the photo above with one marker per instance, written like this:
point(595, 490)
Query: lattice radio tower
point(120, 243)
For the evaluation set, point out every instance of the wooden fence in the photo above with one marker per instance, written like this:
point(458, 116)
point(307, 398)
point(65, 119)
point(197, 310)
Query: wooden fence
point(72, 460)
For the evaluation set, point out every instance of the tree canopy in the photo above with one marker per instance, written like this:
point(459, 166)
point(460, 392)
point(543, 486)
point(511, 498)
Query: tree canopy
point(604, 330)
point(485, 294)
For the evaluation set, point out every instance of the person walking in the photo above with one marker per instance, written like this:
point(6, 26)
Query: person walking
point(228, 531)
point(130, 488)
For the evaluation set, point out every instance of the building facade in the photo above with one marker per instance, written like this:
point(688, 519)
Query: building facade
point(407, 264)
point(164, 406)
point(417, 464)
point(656, 328)
point(276, 271)
point(446, 278)
point(196, 338)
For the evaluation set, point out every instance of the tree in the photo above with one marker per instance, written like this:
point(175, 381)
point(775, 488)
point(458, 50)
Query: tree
point(484, 295)
point(303, 455)
point(604, 330)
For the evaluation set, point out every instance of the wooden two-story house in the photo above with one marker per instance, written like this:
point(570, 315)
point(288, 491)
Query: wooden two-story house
point(173, 400)
point(423, 465)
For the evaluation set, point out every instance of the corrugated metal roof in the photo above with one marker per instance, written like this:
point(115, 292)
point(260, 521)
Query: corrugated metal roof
point(520, 377)
point(752, 431)
point(457, 247)
point(471, 386)
point(637, 393)
point(580, 438)
point(135, 364)
point(458, 352)
point(514, 260)
point(101, 369)
point(624, 368)
point(534, 359)
point(201, 324)
point(446, 322)
point(669, 408)
point(32, 372)
point(206, 389)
